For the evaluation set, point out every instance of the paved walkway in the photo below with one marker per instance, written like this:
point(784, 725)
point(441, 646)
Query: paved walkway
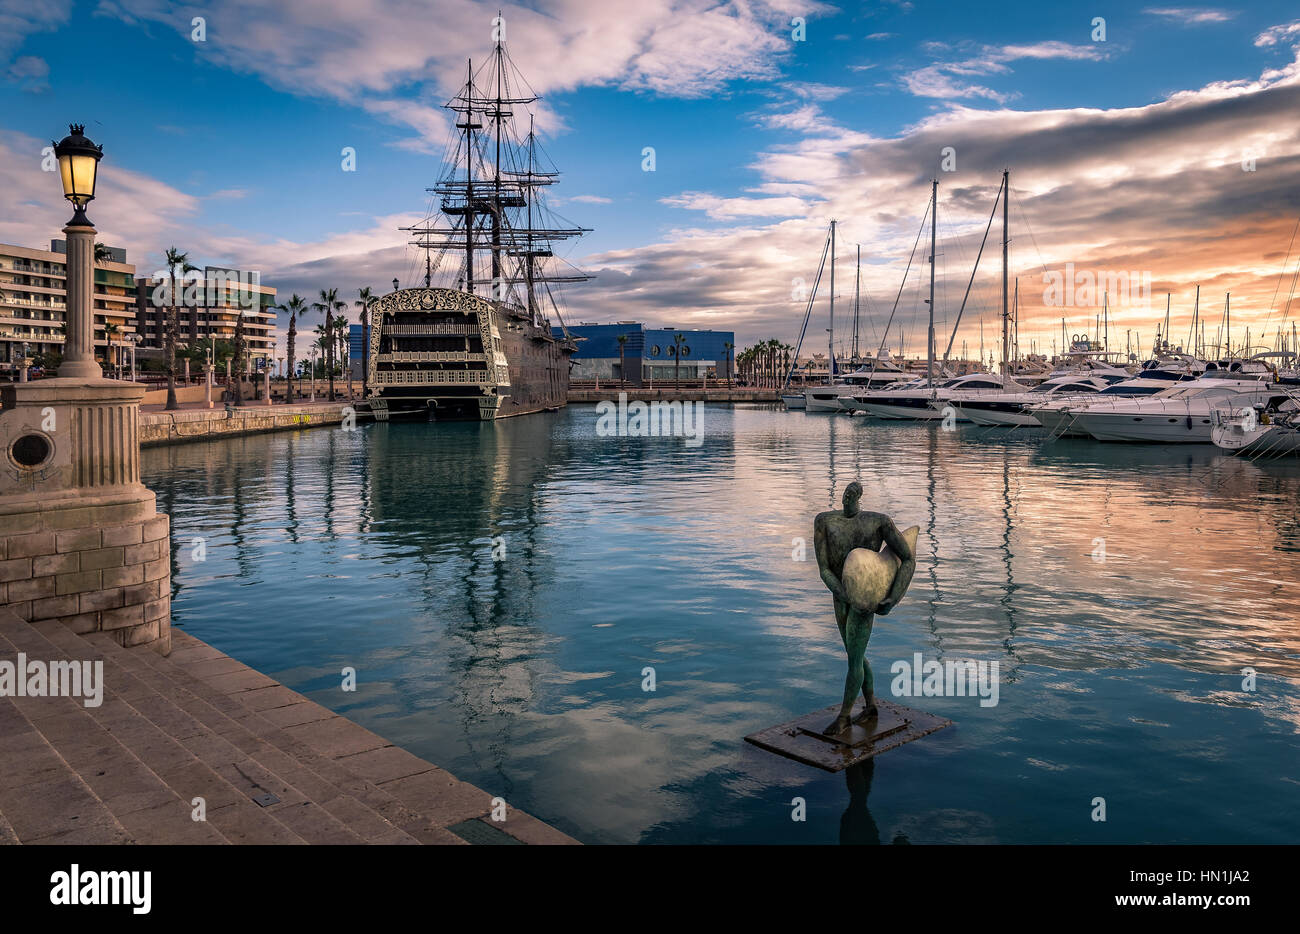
point(201, 724)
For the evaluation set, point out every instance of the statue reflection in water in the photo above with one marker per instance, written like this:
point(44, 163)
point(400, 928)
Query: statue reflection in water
point(857, 826)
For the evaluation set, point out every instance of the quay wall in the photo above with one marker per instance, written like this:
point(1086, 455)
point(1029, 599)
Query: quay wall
point(184, 425)
point(675, 395)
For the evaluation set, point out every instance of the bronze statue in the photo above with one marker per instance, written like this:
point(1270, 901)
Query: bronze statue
point(864, 581)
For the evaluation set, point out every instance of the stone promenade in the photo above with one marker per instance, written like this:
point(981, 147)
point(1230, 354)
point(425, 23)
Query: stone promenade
point(270, 765)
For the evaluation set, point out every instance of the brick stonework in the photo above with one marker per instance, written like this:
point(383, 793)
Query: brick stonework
point(92, 580)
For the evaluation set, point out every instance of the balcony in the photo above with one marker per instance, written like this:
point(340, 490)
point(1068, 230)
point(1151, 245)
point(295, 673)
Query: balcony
point(433, 378)
point(431, 329)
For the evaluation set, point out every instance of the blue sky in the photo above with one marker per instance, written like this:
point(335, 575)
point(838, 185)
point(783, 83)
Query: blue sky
point(230, 147)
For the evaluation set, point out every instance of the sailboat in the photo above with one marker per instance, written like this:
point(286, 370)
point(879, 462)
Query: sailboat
point(485, 348)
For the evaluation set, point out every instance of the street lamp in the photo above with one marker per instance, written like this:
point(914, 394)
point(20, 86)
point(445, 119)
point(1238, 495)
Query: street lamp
point(78, 160)
point(78, 163)
point(394, 285)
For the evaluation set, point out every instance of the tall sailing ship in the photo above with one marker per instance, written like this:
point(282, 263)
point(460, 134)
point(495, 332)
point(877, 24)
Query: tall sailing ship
point(485, 348)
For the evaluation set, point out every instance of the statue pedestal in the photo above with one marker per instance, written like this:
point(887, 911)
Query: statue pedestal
point(802, 740)
point(82, 541)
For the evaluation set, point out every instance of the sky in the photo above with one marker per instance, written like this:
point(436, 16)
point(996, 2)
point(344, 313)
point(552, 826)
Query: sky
point(1153, 149)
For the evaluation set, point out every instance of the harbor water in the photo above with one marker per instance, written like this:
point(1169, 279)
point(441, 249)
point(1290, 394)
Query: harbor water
point(507, 592)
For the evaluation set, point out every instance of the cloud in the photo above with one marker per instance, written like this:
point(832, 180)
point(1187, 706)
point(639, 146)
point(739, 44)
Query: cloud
point(1278, 35)
point(590, 199)
point(946, 80)
point(369, 54)
point(1191, 15)
point(30, 73)
point(1156, 189)
point(19, 19)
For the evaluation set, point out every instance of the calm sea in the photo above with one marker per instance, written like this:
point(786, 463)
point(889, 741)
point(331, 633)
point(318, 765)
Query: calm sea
point(500, 590)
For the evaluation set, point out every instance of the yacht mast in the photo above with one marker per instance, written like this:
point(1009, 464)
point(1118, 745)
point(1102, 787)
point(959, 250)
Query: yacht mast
point(1006, 307)
point(857, 288)
point(934, 240)
point(831, 359)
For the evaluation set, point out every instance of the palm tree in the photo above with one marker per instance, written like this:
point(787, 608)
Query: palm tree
point(174, 258)
point(341, 341)
point(241, 358)
point(679, 347)
point(364, 305)
point(329, 303)
point(102, 254)
point(727, 349)
point(622, 369)
point(111, 330)
point(296, 305)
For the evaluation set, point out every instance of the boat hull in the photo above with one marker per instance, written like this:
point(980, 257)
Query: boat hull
point(793, 400)
point(456, 356)
point(1146, 428)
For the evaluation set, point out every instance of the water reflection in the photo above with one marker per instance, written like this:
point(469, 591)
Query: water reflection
point(375, 548)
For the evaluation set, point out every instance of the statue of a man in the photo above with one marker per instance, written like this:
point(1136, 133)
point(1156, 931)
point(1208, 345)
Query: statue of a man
point(835, 534)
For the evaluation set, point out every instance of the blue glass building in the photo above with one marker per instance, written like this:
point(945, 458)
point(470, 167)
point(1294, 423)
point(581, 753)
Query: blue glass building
point(648, 353)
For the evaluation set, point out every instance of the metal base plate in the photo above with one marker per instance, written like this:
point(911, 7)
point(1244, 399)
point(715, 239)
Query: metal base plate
point(801, 739)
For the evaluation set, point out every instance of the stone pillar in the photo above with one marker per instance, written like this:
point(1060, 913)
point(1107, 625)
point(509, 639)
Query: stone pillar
point(79, 345)
point(80, 538)
point(187, 371)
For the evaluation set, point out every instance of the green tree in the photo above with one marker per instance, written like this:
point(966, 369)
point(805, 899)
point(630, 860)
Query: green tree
point(296, 305)
point(175, 259)
point(364, 305)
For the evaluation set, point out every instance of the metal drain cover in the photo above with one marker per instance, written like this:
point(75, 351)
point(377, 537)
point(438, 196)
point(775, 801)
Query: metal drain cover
point(266, 800)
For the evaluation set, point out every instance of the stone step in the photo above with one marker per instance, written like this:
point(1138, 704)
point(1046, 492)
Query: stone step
point(132, 766)
point(44, 798)
point(255, 727)
point(7, 835)
point(338, 791)
point(417, 796)
point(200, 724)
point(240, 779)
point(428, 799)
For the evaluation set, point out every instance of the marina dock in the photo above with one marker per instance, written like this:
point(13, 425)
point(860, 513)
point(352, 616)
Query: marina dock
point(199, 423)
point(270, 765)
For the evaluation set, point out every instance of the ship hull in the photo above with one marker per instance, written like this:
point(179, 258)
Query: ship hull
point(446, 355)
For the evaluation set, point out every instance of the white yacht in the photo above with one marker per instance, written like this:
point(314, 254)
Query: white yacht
point(1012, 408)
point(915, 401)
point(1157, 375)
point(1181, 415)
point(879, 374)
point(793, 400)
point(1271, 430)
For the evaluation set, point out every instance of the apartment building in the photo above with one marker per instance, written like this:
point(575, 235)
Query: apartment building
point(209, 304)
point(33, 304)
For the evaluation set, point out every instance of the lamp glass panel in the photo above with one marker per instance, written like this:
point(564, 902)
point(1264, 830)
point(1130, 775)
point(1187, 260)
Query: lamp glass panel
point(83, 173)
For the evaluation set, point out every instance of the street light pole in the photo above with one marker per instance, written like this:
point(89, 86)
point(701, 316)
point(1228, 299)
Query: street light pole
point(78, 159)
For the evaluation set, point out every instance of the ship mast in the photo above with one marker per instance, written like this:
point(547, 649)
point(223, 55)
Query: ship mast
point(496, 183)
point(469, 126)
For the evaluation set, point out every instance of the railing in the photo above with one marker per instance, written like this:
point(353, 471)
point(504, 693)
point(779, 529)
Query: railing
point(432, 377)
point(419, 329)
point(30, 304)
point(430, 356)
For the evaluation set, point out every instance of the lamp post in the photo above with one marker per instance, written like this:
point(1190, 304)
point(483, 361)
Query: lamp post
point(78, 160)
point(72, 445)
point(135, 339)
point(207, 372)
point(394, 285)
point(22, 372)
